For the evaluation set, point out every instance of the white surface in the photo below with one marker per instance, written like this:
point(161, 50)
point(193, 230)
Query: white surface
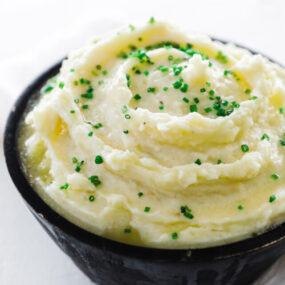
point(36, 33)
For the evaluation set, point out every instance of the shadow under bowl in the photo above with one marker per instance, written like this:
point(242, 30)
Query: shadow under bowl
point(111, 263)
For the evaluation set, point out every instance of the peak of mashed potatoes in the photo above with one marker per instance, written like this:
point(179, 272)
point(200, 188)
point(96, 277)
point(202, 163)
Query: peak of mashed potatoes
point(161, 138)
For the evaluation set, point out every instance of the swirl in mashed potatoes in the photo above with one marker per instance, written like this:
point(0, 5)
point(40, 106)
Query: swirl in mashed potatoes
point(161, 138)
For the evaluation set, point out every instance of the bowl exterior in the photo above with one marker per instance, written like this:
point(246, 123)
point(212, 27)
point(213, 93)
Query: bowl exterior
point(104, 266)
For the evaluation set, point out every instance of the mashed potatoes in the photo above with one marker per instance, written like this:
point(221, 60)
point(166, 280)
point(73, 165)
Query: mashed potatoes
point(160, 138)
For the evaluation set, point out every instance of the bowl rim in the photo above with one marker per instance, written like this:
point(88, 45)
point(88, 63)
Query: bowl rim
point(49, 216)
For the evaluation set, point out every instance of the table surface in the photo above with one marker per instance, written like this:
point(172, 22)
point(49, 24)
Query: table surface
point(36, 33)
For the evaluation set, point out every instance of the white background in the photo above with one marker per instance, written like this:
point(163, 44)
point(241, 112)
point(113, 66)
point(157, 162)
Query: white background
point(36, 33)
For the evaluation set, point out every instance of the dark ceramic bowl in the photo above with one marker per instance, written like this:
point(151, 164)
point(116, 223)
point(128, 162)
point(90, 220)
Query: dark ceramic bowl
point(112, 263)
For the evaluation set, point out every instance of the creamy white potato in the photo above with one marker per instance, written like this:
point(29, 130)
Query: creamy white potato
point(161, 138)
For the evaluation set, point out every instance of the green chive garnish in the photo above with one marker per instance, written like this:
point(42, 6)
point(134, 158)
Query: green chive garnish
point(146, 209)
point(98, 159)
point(94, 179)
point(174, 235)
point(91, 198)
point(272, 198)
point(265, 136)
point(198, 161)
point(48, 89)
point(275, 176)
point(186, 211)
point(137, 97)
point(64, 187)
point(193, 108)
point(244, 148)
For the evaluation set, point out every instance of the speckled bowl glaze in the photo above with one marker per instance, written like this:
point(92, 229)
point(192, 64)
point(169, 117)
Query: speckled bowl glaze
point(112, 263)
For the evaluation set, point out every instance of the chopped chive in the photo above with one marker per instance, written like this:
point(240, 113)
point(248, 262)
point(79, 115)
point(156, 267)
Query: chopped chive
point(275, 176)
point(48, 89)
point(219, 161)
point(221, 57)
point(198, 161)
point(124, 109)
point(202, 90)
point(151, 20)
point(128, 80)
point(137, 97)
point(132, 27)
point(272, 198)
point(78, 166)
point(186, 211)
point(281, 111)
point(244, 148)
point(125, 131)
point(184, 88)
point(177, 70)
point(104, 72)
point(186, 100)
point(99, 159)
point(94, 179)
point(90, 134)
point(84, 107)
point(240, 207)
point(72, 70)
point(64, 186)
point(265, 136)
point(72, 111)
point(76, 100)
point(193, 108)
point(212, 92)
point(208, 84)
point(87, 95)
point(208, 109)
point(75, 83)
point(127, 231)
point(163, 68)
point(74, 160)
point(146, 209)
point(253, 98)
point(282, 142)
point(146, 73)
point(196, 100)
point(127, 116)
point(174, 235)
point(177, 84)
point(91, 198)
point(151, 89)
point(61, 85)
point(165, 88)
point(140, 194)
point(170, 57)
point(161, 107)
point(247, 91)
point(98, 126)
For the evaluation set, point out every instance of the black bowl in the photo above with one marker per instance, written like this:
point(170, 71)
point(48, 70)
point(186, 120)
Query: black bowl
point(109, 262)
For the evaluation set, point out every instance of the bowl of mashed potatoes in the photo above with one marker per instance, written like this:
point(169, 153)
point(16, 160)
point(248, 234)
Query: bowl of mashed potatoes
point(156, 156)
